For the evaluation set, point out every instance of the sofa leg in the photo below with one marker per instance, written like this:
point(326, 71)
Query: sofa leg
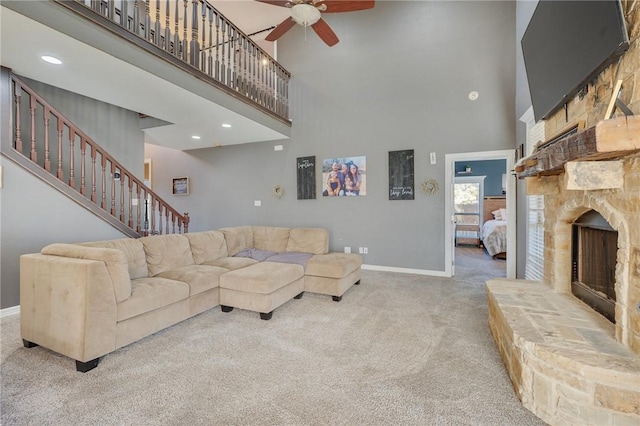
point(226, 308)
point(357, 282)
point(266, 316)
point(83, 367)
point(337, 298)
point(298, 296)
point(28, 344)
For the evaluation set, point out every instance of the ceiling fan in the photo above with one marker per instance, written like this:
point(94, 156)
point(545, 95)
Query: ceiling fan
point(308, 13)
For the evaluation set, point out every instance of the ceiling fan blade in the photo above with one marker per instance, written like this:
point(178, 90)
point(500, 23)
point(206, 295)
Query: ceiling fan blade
point(283, 3)
point(325, 32)
point(279, 31)
point(335, 6)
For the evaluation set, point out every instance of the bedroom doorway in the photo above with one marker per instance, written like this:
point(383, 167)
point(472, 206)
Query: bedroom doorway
point(464, 168)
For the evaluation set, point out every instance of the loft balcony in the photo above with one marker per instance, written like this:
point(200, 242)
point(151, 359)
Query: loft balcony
point(179, 63)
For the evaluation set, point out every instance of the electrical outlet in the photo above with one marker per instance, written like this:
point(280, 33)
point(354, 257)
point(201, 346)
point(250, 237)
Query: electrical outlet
point(347, 249)
point(257, 203)
point(134, 201)
point(360, 249)
point(365, 250)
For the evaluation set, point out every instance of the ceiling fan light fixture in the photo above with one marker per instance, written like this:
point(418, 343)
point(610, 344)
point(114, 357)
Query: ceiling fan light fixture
point(305, 14)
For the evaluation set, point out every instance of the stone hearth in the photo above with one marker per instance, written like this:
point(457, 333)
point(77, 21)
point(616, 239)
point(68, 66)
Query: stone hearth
point(562, 357)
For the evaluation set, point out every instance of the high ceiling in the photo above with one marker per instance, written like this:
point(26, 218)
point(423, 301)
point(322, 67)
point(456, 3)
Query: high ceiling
point(90, 72)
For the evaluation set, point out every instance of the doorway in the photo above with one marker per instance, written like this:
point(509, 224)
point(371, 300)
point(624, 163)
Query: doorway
point(451, 217)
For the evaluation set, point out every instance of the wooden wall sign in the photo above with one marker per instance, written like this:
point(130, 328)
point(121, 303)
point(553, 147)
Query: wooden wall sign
point(306, 173)
point(401, 178)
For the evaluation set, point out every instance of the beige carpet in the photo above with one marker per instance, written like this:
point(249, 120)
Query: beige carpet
point(398, 349)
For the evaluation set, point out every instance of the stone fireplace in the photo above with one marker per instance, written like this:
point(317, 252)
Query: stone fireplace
point(612, 189)
point(567, 362)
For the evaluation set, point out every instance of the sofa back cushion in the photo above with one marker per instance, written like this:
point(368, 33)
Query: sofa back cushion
point(270, 238)
point(207, 246)
point(166, 252)
point(308, 240)
point(238, 238)
point(133, 250)
point(114, 259)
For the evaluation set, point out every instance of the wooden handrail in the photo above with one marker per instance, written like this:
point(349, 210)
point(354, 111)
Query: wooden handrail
point(87, 168)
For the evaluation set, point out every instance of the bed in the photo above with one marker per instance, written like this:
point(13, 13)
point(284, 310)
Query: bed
point(494, 229)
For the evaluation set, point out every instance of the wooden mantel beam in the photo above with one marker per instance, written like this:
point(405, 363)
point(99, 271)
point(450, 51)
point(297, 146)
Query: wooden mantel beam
point(608, 139)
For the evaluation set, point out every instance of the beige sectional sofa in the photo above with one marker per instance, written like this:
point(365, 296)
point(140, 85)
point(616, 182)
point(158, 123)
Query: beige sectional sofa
point(88, 299)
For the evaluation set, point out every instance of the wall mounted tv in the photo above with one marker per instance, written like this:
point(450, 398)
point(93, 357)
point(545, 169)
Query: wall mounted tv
point(567, 44)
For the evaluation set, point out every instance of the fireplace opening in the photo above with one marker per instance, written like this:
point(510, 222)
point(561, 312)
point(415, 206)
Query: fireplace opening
point(594, 252)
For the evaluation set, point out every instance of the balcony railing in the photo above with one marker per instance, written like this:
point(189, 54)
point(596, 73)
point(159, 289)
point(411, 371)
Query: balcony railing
point(198, 35)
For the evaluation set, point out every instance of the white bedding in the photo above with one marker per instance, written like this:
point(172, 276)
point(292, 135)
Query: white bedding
point(494, 236)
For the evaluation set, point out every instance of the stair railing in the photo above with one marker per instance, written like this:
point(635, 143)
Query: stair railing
point(198, 35)
point(54, 145)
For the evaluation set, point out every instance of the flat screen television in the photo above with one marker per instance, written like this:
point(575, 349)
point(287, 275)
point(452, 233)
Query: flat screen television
point(567, 44)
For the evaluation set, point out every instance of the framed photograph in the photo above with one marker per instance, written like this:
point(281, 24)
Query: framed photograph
point(344, 176)
point(180, 186)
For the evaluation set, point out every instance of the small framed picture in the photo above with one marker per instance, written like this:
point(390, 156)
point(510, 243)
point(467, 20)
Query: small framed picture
point(180, 186)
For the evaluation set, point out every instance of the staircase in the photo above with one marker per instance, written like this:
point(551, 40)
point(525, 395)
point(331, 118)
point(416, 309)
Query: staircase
point(50, 146)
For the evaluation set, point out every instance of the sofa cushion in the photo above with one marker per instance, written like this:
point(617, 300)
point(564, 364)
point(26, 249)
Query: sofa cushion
point(237, 238)
point(308, 240)
point(263, 277)
point(231, 263)
point(115, 261)
point(207, 245)
point(133, 250)
point(291, 257)
point(333, 265)
point(270, 238)
point(199, 277)
point(148, 294)
point(166, 252)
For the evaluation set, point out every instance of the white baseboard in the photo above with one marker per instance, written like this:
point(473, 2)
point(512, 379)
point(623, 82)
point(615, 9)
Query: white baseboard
point(406, 270)
point(14, 310)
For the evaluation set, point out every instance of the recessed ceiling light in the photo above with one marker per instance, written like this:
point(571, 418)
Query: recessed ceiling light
point(226, 125)
point(51, 60)
point(195, 137)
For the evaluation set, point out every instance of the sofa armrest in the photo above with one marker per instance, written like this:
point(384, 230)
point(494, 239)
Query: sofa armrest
point(67, 305)
point(115, 260)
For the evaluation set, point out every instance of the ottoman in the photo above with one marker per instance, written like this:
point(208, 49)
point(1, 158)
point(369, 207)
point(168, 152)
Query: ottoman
point(261, 287)
point(332, 273)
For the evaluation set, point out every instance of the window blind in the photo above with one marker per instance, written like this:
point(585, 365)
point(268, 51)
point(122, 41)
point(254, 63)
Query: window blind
point(534, 266)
